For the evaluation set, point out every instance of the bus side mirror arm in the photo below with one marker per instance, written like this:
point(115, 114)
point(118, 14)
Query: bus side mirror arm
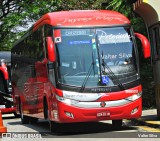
point(145, 45)
point(51, 51)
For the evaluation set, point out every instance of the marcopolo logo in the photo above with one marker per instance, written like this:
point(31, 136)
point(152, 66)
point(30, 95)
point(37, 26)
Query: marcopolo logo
point(103, 104)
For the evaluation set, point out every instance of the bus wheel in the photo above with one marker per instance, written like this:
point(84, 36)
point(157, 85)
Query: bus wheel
point(33, 120)
point(53, 126)
point(117, 123)
point(24, 119)
point(46, 112)
point(16, 115)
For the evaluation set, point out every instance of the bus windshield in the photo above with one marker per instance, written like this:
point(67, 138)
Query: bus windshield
point(82, 53)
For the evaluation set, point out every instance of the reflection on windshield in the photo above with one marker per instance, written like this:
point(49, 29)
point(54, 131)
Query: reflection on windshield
point(77, 49)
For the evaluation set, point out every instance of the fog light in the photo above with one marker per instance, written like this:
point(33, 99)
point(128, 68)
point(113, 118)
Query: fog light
point(134, 110)
point(69, 114)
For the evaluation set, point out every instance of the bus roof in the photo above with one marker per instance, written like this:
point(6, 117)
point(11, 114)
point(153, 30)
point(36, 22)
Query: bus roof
point(82, 18)
point(79, 18)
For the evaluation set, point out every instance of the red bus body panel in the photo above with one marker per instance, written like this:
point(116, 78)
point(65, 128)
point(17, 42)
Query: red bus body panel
point(90, 114)
point(80, 114)
point(84, 115)
point(82, 18)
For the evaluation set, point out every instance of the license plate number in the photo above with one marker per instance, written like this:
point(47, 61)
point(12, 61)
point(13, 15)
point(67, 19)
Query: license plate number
point(103, 114)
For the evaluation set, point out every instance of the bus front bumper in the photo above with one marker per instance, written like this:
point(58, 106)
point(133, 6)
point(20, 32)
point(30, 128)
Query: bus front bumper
point(7, 110)
point(68, 114)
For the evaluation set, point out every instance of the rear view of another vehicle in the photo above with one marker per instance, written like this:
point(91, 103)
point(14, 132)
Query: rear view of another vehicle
point(6, 99)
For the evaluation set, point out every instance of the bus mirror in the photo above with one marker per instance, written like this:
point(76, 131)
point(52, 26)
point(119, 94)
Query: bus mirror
point(50, 48)
point(145, 45)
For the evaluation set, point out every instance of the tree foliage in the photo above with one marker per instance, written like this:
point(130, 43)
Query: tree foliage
point(17, 15)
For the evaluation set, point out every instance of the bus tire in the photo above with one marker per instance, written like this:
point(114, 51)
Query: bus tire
point(24, 119)
point(117, 123)
point(33, 120)
point(53, 126)
point(45, 106)
point(16, 115)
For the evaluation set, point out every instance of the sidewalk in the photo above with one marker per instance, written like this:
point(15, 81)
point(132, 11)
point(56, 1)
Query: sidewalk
point(149, 118)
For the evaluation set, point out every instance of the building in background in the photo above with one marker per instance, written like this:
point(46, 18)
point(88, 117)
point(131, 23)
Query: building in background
point(149, 10)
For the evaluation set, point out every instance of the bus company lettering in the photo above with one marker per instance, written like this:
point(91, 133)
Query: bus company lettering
point(72, 96)
point(116, 56)
point(105, 38)
point(105, 18)
point(81, 97)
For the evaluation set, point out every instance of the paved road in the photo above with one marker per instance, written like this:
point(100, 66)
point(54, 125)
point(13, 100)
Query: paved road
point(79, 131)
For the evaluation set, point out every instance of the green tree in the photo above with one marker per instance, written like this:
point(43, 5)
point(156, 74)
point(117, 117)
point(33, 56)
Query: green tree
point(16, 14)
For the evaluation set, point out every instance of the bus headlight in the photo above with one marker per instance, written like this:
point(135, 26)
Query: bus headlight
point(66, 100)
point(134, 97)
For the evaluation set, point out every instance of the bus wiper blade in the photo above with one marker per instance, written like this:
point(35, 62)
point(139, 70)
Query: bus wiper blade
point(93, 63)
point(92, 66)
point(86, 78)
point(112, 75)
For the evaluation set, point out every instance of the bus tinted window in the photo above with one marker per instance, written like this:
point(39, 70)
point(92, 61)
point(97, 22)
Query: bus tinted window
point(80, 50)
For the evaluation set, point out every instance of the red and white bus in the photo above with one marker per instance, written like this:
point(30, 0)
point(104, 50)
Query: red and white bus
point(6, 99)
point(78, 66)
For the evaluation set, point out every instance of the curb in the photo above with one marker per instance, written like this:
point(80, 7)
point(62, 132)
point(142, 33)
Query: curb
point(142, 121)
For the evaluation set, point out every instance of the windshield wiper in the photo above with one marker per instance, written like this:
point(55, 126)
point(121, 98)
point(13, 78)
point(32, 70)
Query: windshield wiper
point(92, 66)
point(111, 74)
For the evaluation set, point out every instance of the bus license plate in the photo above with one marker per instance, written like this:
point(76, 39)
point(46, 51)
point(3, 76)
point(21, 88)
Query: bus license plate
point(103, 114)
